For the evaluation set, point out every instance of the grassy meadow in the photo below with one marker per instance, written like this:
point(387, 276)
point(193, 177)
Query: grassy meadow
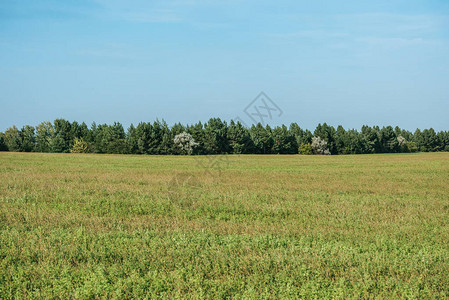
point(118, 226)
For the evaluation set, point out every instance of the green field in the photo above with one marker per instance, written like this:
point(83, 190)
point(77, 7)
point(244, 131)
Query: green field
point(97, 226)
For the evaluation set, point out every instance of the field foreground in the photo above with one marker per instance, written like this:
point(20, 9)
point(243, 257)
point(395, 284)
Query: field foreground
point(94, 226)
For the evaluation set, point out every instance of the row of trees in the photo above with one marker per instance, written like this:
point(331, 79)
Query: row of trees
point(218, 137)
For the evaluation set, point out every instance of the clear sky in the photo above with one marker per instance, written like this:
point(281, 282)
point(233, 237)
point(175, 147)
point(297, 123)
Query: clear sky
point(354, 62)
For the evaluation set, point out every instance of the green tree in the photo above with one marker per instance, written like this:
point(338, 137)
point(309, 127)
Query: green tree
point(178, 128)
point(167, 144)
point(3, 146)
point(117, 139)
point(443, 140)
point(91, 133)
point(58, 144)
point(44, 134)
point(283, 141)
point(371, 137)
point(404, 133)
point(305, 149)
point(301, 136)
point(80, 131)
point(110, 139)
point(143, 131)
point(63, 140)
point(430, 140)
point(198, 134)
point(131, 140)
point(403, 144)
point(216, 140)
point(354, 142)
point(261, 138)
point(80, 146)
point(341, 140)
point(427, 140)
point(327, 133)
point(389, 140)
point(12, 139)
point(155, 140)
point(239, 138)
point(350, 141)
point(28, 138)
point(412, 147)
point(418, 140)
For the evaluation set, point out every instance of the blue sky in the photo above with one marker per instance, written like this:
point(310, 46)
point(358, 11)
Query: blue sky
point(352, 63)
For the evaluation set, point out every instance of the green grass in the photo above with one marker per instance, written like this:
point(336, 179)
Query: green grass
point(114, 226)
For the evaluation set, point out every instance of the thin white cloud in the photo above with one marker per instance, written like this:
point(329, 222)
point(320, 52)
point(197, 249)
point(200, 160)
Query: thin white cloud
point(162, 11)
point(392, 42)
point(113, 51)
point(309, 34)
point(394, 23)
point(141, 11)
point(154, 16)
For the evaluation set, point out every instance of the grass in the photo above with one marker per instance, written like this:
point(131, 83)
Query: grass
point(114, 226)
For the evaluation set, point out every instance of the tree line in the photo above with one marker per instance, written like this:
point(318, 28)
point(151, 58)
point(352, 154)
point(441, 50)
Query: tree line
point(218, 137)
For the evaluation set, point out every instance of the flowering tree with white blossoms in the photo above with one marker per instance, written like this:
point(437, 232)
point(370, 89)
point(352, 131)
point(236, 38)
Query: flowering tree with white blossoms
point(319, 146)
point(185, 142)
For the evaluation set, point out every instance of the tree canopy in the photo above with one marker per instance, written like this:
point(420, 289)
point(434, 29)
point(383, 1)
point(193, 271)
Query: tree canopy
point(217, 137)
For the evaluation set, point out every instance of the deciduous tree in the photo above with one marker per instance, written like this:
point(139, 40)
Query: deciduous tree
point(185, 142)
